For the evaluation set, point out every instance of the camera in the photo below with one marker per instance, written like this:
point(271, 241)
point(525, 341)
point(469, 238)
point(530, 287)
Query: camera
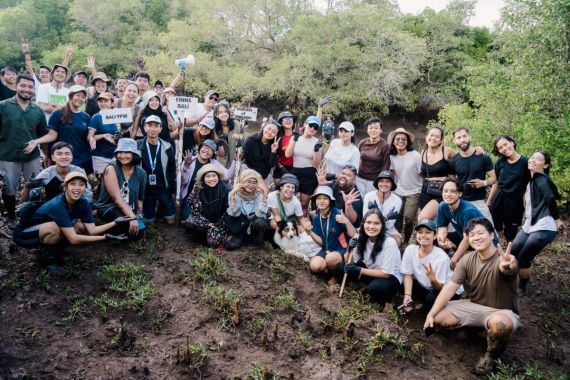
point(328, 129)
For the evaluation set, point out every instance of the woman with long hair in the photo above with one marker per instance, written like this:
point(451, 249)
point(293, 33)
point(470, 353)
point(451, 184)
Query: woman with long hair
point(260, 150)
point(103, 137)
point(225, 125)
point(286, 121)
point(542, 220)
point(121, 192)
point(194, 136)
point(376, 259)
point(505, 200)
point(128, 100)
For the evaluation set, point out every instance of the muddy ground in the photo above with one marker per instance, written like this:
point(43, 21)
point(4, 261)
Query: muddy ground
point(167, 309)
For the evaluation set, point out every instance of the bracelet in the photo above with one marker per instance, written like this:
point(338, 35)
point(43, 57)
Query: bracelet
point(409, 295)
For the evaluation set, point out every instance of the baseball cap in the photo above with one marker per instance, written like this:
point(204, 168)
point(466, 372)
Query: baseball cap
point(152, 118)
point(73, 175)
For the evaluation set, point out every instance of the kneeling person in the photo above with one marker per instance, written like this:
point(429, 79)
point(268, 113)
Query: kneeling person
point(492, 276)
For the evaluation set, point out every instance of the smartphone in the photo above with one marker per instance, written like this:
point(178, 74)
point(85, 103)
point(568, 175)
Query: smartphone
point(429, 331)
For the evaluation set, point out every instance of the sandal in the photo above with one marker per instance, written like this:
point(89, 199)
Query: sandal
point(485, 365)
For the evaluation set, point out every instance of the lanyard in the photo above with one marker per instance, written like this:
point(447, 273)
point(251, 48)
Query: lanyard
point(150, 159)
point(325, 230)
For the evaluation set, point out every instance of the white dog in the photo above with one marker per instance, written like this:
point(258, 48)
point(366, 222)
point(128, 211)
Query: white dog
point(287, 237)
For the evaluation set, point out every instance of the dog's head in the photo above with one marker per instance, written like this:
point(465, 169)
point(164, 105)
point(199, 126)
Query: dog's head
point(288, 229)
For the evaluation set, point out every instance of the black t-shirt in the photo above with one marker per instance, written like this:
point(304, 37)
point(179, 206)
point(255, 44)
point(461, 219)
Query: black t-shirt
point(356, 205)
point(189, 143)
point(160, 185)
point(193, 179)
point(512, 178)
point(5, 92)
point(472, 167)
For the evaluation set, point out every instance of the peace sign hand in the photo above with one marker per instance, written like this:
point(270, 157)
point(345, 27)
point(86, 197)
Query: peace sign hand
point(275, 144)
point(507, 261)
point(429, 271)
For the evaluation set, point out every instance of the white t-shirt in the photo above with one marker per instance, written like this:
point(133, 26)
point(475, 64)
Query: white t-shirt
point(200, 110)
point(388, 260)
point(393, 203)
point(407, 168)
point(47, 94)
point(293, 207)
point(412, 264)
point(546, 223)
point(303, 153)
point(339, 155)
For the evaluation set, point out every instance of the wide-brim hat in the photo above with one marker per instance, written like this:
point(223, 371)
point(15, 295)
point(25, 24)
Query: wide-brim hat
point(388, 175)
point(209, 168)
point(397, 131)
point(285, 114)
point(324, 190)
point(288, 178)
point(106, 95)
point(127, 145)
point(102, 76)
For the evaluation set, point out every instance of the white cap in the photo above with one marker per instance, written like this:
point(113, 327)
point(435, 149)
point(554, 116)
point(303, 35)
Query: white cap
point(347, 126)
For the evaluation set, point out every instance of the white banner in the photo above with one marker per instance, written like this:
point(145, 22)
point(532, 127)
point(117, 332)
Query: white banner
point(181, 105)
point(117, 115)
point(246, 113)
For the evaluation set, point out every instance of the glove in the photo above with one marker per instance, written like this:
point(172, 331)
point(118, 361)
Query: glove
point(123, 220)
point(353, 242)
point(325, 100)
point(121, 237)
point(318, 146)
point(352, 270)
point(372, 204)
point(295, 136)
point(392, 215)
point(34, 183)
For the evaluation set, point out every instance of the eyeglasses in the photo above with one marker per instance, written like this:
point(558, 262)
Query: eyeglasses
point(351, 167)
point(214, 98)
point(125, 191)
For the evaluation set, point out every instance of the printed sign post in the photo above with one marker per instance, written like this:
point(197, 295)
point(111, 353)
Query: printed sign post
point(181, 105)
point(117, 116)
point(246, 113)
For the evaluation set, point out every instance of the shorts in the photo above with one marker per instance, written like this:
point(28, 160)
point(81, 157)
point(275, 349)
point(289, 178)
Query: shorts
point(472, 314)
point(100, 163)
point(280, 171)
point(307, 178)
point(323, 253)
point(11, 171)
point(425, 198)
point(27, 237)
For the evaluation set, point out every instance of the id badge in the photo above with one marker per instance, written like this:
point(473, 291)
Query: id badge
point(152, 179)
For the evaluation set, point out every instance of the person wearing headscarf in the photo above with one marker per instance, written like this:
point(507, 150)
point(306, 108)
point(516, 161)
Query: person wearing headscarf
point(247, 211)
point(208, 202)
point(152, 106)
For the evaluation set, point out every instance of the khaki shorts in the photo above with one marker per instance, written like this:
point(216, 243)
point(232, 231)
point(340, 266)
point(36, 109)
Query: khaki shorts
point(100, 163)
point(410, 206)
point(472, 314)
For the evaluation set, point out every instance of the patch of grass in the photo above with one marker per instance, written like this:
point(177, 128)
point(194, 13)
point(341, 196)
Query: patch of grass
point(194, 355)
point(152, 242)
point(122, 338)
point(255, 326)
point(78, 308)
point(17, 280)
point(257, 372)
point(74, 265)
point(105, 302)
point(325, 353)
point(285, 301)
point(558, 247)
point(226, 302)
point(374, 346)
point(208, 267)
point(157, 321)
point(42, 280)
point(527, 370)
point(129, 284)
point(306, 340)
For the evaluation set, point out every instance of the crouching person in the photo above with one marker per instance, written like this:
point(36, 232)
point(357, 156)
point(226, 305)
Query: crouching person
point(68, 217)
point(492, 276)
point(425, 269)
point(376, 259)
point(207, 205)
point(246, 217)
point(330, 229)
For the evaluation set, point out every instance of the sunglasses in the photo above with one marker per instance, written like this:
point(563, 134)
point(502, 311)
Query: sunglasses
point(286, 118)
point(351, 167)
point(214, 98)
point(314, 126)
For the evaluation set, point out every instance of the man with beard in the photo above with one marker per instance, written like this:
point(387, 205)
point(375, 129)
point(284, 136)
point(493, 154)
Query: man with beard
point(53, 95)
point(474, 172)
point(22, 125)
point(346, 194)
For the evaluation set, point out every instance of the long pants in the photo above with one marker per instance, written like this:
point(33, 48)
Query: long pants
point(527, 246)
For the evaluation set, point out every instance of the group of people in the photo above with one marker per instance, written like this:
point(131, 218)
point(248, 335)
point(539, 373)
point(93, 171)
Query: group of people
point(368, 199)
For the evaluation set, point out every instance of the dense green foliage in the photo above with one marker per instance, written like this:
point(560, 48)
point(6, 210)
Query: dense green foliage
point(286, 54)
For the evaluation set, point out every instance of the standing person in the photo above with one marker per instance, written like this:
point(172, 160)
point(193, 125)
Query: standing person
point(205, 110)
point(160, 166)
point(120, 85)
point(376, 259)
point(286, 121)
point(425, 268)
point(225, 126)
point(342, 151)
point(331, 230)
point(458, 212)
point(22, 128)
point(71, 125)
point(387, 201)
point(142, 79)
point(100, 83)
point(48, 183)
point(374, 156)
point(506, 197)
point(260, 150)
point(80, 78)
point(247, 211)
point(406, 164)
point(103, 137)
point(123, 187)
point(128, 101)
point(474, 172)
point(8, 77)
point(53, 95)
point(152, 106)
point(542, 220)
point(493, 303)
point(435, 169)
point(306, 153)
point(207, 205)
